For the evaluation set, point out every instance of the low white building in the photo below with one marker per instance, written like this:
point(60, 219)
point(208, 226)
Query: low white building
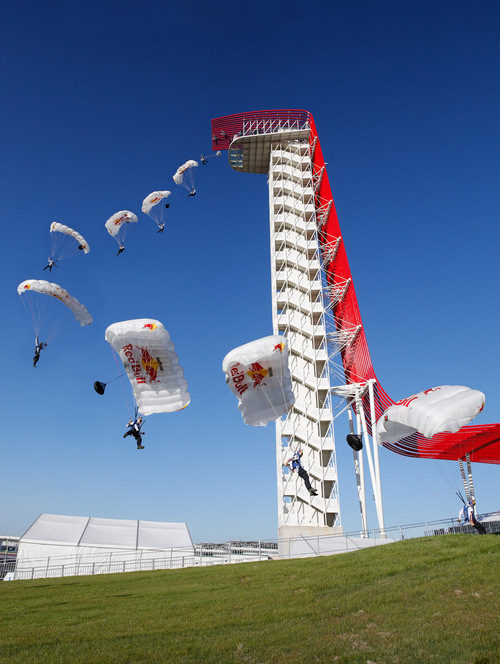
point(59, 545)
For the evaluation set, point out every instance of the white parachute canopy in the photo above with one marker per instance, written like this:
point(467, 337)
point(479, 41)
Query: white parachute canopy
point(154, 205)
point(54, 290)
point(184, 174)
point(117, 224)
point(258, 375)
point(66, 241)
point(151, 363)
point(439, 409)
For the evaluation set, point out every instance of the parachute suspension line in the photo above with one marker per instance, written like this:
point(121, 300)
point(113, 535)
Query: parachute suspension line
point(464, 479)
point(471, 482)
point(128, 398)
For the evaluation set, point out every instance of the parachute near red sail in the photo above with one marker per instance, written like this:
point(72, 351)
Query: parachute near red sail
point(259, 377)
point(151, 363)
point(446, 408)
point(184, 175)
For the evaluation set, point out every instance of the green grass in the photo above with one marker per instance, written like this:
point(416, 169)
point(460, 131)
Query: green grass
point(429, 600)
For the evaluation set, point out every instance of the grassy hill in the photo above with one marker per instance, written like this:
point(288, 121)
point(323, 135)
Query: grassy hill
point(429, 600)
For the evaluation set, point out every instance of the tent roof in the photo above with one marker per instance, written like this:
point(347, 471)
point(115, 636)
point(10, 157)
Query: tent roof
point(107, 533)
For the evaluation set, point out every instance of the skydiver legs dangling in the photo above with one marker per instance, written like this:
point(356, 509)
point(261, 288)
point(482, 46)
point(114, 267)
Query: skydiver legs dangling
point(50, 264)
point(135, 431)
point(39, 346)
point(161, 228)
point(192, 192)
point(120, 250)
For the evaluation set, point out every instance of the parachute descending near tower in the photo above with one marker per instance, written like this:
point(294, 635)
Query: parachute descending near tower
point(117, 226)
point(184, 176)
point(36, 286)
point(48, 319)
point(154, 206)
point(151, 364)
point(433, 411)
point(66, 241)
point(259, 377)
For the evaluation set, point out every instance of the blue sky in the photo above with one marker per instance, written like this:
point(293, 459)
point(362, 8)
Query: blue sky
point(103, 101)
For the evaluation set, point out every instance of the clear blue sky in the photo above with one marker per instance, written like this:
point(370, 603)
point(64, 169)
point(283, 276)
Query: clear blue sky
point(100, 104)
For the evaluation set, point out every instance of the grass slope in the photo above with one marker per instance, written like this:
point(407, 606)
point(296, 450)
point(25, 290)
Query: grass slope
point(429, 600)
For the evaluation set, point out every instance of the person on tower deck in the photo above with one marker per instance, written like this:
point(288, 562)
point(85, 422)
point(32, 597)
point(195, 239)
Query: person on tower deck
point(50, 264)
point(192, 192)
point(39, 346)
point(215, 139)
point(134, 430)
point(120, 250)
point(296, 465)
point(203, 160)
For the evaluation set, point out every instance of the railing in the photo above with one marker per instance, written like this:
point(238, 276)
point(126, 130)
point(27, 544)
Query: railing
point(233, 552)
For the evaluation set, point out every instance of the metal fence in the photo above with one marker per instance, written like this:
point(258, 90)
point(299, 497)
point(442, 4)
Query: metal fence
point(232, 552)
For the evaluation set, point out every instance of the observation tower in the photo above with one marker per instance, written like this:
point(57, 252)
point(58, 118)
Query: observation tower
point(315, 307)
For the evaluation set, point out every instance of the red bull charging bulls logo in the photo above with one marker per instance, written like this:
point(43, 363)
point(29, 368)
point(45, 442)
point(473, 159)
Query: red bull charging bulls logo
point(144, 368)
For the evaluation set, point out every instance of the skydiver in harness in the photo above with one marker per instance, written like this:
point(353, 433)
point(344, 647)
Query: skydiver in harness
point(39, 346)
point(192, 192)
point(50, 264)
point(203, 160)
point(120, 250)
point(161, 228)
point(135, 431)
point(295, 465)
point(468, 514)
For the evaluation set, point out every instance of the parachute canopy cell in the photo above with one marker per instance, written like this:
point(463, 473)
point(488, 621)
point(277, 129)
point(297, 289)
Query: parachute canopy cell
point(439, 409)
point(152, 200)
point(151, 363)
point(54, 290)
point(83, 245)
point(259, 377)
point(116, 222)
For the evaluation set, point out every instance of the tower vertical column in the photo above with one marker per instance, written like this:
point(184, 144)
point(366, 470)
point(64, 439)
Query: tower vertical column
point(298, 306)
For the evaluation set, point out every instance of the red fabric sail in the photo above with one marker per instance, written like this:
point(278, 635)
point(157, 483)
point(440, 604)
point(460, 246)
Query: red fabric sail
point(481, 442)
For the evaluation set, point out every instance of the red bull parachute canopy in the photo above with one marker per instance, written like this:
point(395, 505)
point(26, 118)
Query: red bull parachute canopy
point(184, 175)
point(433, 411)
point(31, 288)
point(118, 224)
point(154, 205)
point(259, 377)
point(66, 241)
point(151, 364)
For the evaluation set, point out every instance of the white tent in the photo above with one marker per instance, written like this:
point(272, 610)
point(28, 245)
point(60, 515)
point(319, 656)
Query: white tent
point(58, 545)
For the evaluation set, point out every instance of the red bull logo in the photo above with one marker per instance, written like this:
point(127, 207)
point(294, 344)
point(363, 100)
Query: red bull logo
point(406, 402)
point(237, 377)
point(146, 364)
point(257, 373)
point(150, 326)
point(149, 364)
point(27, 286)
point(280, 347)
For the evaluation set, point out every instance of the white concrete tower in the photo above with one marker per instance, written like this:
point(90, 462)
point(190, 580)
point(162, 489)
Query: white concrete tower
point(282, 148)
